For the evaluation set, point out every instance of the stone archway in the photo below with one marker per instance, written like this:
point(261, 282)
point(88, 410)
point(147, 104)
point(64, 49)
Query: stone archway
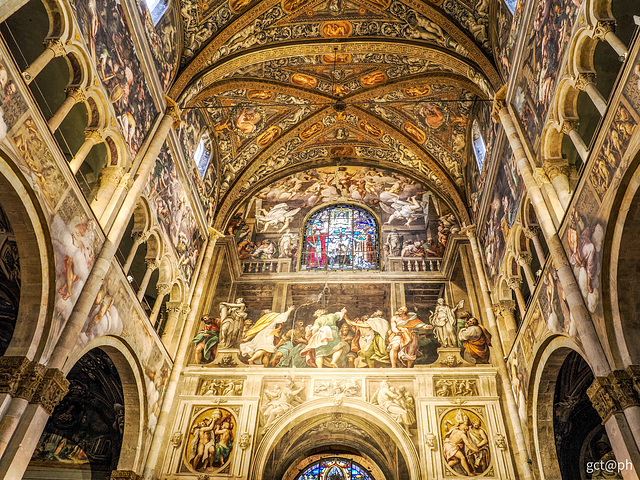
point(36, 269)
point(321, 427)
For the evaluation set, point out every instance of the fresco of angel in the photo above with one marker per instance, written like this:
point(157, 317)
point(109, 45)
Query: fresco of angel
point(278, 215)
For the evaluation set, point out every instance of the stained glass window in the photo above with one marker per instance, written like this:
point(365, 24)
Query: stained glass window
point(341, 237)
point(479, 148)
point(335, 468)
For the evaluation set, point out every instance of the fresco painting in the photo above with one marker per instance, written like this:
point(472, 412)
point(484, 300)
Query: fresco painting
point(112, 50)
point(414, 221)
point(327, 327)
point(175, 215)
point(465, 442)
point(488, 131)
point(502, 211)
point(210, 439)
point(163, 41)
point(12, 105)
point(507, 33)
point(545, 47)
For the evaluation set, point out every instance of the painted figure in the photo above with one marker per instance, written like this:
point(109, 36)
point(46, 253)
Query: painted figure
point(397, 403)
point(206, 339)
point(279, 401)
point(258, 342)
point(232, 317)
point(403, 338)
point(475, 339)
point(323, 339)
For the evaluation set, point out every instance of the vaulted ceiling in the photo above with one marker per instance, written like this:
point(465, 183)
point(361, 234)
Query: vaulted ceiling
point(287, 85)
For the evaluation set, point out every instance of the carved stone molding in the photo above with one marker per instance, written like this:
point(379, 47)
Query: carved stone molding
point(31, 381)
point(500, 441)
point(245, 441)
point(125, 475)
point(12, 369)
point(431, 440)
point(176, 439)
point(603, 398)
point(52, 389)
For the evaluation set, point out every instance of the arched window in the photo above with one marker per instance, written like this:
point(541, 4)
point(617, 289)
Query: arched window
point(479, 148)
point(341, 237)
point(202, 155)
point(335, 469)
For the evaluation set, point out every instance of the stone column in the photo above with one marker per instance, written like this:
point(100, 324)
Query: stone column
point(152, 264)
point(507, 307)
point(109, 180)
point(604, 32)
point(569, 127)
point(180, 358)
point(557, 169)
point(613, 397)
point(514, 284)
point(125, 183)
point(586, 82)
point(46, 388)
point(524, 260)
point(173, 314)
point(522, 454)
point(586, 330)
point(53, 48)
point(74, 95)
point(163, 290)
point(138, 239)
point(92, 136)
point(533, 234)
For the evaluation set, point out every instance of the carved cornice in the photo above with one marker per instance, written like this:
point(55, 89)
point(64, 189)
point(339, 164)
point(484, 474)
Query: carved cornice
point(52, 389)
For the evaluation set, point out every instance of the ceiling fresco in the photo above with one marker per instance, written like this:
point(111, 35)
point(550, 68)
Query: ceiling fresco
point(291, 85)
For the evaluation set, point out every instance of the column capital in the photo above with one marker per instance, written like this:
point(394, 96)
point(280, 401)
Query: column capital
point(31, 381)
point(569, 125)
point(508, 306)
point(111, 176)
point(77, 93)
point(173, 111)
point(140, 236)
point(52, 389)
point(56, 46)
point(601, 395)
point(124, 475)
point(554, 167)
point(524, 259)
point(186, 309)
point(93, 134)
point(12, 371)
point(532, 231)
point(602, 28)
point(514, 283)
point(499, 102)
point(582, 80)
point(469, 230)
point(152, 263)
point(623, 388)
point(126, 181)
point(163, 288)
point(174, 307)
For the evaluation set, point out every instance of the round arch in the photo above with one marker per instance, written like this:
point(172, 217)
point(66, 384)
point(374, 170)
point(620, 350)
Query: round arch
point(133, 388)
point(317, 411)
point(542, 386)
point(37, 269)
